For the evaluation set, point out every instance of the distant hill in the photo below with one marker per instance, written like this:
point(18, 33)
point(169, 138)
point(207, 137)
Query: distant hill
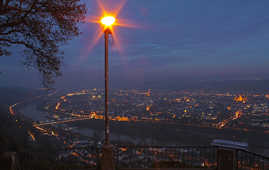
point(229, 85)
point(12, 138)
point(11, 95)
point(14, 129)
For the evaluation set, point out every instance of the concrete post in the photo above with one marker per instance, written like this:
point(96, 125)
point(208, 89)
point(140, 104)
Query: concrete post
point(226, 159)
point(107, 162)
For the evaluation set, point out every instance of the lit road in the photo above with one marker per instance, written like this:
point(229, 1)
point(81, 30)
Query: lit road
point(223, 123)
point(11, 108)
point(61, 121)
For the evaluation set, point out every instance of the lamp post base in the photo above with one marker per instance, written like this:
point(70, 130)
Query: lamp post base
point(107, 162)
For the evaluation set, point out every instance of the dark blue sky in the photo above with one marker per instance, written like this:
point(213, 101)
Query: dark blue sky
point(176, 40)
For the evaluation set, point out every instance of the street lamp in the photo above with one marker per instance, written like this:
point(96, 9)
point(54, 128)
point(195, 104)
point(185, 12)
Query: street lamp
point(107, 22)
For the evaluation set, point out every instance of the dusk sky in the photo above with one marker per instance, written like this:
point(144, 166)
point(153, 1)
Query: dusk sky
point(173, 41)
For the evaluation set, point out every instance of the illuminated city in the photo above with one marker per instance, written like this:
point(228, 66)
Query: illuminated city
point(61, 114)
point(134, 85)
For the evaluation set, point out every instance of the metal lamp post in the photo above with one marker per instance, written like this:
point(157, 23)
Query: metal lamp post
point(107, 22)
point(107, 32)
point(107, 158)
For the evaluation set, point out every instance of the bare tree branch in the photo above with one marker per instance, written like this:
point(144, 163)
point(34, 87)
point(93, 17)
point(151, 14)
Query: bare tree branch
point(41, 26)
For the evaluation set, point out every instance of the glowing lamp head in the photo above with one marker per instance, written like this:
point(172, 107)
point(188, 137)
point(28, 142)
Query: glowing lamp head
point(108, 21)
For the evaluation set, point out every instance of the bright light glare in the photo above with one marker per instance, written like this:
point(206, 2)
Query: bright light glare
point(108, 21)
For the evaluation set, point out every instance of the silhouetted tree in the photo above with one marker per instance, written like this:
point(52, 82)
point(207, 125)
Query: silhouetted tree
point(40, 26)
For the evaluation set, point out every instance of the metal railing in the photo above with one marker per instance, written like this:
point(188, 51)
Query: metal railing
point(87, 158)
point(130, 156)
point(251, 161)
point(135, 156)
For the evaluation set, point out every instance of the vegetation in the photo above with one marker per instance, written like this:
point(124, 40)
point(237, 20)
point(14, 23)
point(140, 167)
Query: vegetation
point(40, 27)
point(14, 137)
